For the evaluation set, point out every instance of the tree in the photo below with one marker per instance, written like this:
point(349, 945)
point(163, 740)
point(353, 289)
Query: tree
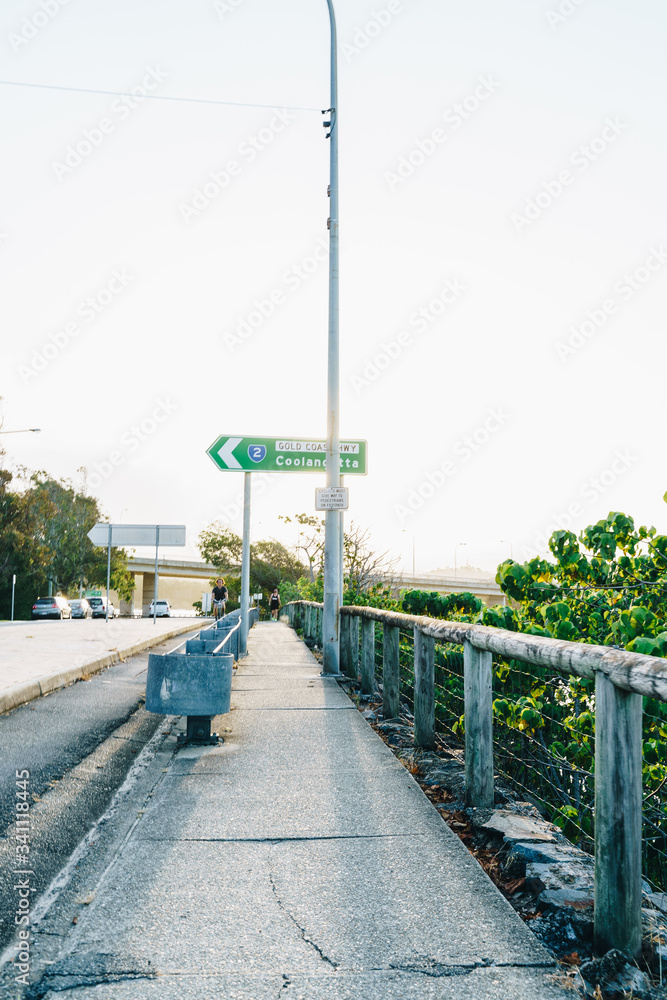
point(365, 571)
point(311, 541)
point(22, 552)
point(221, 547)
point(270, 562)
point(43, 539)
point(607, 586)
point(364, 568)
point(74, 561)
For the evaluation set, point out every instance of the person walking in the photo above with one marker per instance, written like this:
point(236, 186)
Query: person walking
point(220, 596)
point(274, 604)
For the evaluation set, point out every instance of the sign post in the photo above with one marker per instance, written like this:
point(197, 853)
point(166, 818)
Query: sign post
point(333, 525)
point(155, 588)
point(106, 610)
point(106, 534)
point(245, 567)
point(13, 589)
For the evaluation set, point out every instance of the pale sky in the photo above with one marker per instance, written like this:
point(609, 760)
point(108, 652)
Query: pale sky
point(503, 259)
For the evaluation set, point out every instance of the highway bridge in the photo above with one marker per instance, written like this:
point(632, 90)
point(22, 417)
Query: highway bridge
point(185, 581)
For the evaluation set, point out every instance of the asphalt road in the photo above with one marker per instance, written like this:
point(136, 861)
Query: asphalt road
point(77, 745)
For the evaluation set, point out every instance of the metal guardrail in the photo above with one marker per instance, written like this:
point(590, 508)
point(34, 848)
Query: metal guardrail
point(195, 678)
point(231, 634)
point(621, 680)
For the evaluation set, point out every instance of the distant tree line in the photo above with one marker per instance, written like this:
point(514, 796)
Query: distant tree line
point(367, 573)
point(44, 523)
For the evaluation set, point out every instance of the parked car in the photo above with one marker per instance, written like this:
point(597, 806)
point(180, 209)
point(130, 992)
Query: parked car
point(162, 609)
point(81, 608)
point(99, 607)
point(51, 607)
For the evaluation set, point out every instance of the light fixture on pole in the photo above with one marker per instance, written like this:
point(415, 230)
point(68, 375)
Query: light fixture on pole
point(508, 542)
point(332, 525)
point(24, 430)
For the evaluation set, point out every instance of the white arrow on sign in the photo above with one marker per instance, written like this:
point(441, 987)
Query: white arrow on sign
point(225, 453)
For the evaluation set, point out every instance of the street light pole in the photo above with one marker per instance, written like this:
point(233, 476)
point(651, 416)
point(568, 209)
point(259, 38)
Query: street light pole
point(332, 524)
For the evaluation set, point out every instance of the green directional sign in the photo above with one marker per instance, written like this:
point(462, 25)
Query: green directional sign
point(255, 454)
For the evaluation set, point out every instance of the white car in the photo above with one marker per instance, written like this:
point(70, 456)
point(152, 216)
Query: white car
point(99, 606)
point(161, 609)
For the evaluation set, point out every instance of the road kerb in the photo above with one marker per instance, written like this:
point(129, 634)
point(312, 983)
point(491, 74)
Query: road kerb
point(21, 694)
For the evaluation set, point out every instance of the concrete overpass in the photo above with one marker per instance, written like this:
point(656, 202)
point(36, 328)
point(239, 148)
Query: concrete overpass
point(189, 579)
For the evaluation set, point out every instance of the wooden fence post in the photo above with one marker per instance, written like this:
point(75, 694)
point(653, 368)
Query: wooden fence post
point(349, 655)
point(391, 683)
point(424, 691)
point(354, 646)
point(367, 656)
point(352, 652)
point(618, 818)
point(478, 684)
point(344, 627)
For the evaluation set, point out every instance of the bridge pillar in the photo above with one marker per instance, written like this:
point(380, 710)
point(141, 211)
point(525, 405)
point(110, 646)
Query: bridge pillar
point(127, 607)
point(148, 593)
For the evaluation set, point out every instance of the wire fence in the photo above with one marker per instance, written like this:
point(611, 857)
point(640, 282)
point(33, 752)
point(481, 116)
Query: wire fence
point(544, 741)
point(544, 737)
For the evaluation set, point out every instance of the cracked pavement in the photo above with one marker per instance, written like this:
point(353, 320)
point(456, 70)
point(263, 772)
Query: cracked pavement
point(299, 860)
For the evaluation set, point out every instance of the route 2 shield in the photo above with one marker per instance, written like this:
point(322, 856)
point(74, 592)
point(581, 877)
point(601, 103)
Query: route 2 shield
point(257, 452)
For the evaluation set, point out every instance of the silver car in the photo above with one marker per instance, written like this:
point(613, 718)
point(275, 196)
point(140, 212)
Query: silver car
point(51, 607)
point(81, 608)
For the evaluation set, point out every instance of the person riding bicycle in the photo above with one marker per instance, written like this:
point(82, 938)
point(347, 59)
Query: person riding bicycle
point(220, 595)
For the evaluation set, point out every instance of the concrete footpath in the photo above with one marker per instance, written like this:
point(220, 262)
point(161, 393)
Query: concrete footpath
point(41, 656)
point(299, 860)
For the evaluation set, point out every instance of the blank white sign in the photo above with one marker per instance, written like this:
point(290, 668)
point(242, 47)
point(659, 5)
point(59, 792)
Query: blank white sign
point(137, 534)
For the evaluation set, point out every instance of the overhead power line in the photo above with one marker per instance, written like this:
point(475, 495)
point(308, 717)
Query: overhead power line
point(152, 97)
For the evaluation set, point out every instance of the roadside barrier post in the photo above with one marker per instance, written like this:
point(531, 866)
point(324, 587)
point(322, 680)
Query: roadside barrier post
point(618, 818)
point(346, 647)
point(354, 644)
point(478, 680)
point(367, 656)
point(424, 691)
point(344, 631)
point(390, 673)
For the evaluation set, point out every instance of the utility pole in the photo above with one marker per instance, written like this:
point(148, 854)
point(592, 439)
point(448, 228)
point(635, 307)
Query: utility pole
point(332, 525)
